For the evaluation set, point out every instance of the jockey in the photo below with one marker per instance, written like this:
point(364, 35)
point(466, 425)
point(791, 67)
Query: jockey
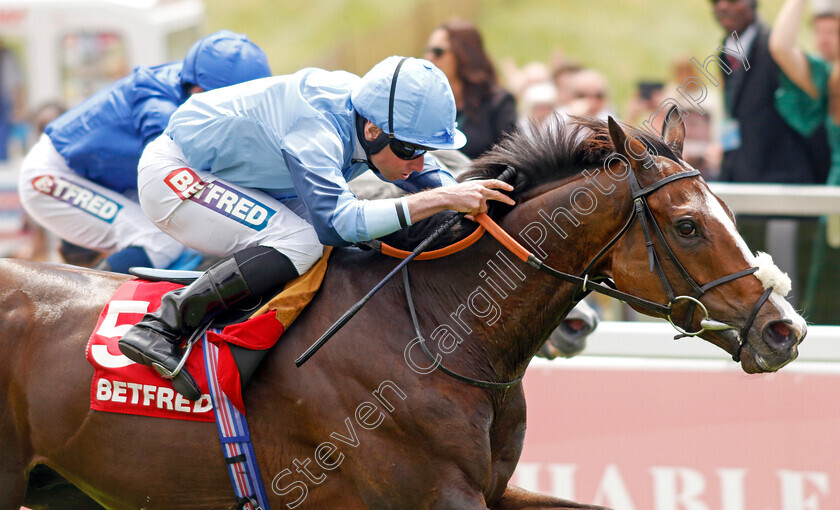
point(80, 180)
point(259, 171)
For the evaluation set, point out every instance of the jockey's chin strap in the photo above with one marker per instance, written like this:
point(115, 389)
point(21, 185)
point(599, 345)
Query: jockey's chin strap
point(641, 210)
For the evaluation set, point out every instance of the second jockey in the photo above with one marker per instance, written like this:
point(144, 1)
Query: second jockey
point(80, 179)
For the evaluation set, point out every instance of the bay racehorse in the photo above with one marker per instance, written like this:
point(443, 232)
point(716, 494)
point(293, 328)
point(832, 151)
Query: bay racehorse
point(366, 423)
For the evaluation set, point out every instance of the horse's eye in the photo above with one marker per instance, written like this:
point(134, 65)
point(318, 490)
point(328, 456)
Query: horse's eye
point(686, 229)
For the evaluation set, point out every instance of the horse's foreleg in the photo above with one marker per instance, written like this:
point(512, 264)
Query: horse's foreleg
point(12, 468)
point(515, 498)
point(12, 488)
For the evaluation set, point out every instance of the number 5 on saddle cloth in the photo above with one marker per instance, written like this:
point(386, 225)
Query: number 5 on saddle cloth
point(244, 350)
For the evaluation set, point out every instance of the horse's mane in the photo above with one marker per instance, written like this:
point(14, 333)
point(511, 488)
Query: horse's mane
point(554, 152)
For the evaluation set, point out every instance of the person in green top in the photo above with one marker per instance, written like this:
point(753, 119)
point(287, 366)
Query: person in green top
point(808, 97)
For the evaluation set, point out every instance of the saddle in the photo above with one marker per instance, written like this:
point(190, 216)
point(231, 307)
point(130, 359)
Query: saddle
point(287, 305)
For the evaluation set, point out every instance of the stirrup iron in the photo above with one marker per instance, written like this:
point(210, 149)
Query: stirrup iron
point(194, 337)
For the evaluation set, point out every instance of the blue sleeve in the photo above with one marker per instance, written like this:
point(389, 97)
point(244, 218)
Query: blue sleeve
point(432, 176)
point(153, 95)
point(338, 217)
point(152, 116)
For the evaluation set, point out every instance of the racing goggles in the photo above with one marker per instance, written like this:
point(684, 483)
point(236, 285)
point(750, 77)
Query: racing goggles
point(402, 150)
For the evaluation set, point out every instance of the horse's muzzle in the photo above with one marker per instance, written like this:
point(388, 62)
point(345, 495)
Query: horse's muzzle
point(779, 344)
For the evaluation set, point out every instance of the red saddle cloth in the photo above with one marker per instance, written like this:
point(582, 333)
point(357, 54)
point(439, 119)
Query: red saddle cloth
point(123, 386)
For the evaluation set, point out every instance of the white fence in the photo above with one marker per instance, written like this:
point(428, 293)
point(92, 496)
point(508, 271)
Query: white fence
point(779, 199)
point(619, 339)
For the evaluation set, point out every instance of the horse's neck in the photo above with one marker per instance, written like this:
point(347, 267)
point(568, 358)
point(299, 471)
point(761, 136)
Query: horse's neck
point(504, 309)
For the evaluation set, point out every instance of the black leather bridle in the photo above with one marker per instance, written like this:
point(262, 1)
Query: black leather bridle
point(641, 211)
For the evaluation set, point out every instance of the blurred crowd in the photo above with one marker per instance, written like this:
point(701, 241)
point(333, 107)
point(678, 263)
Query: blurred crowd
point(740, 130)
point(756, 109)
point(524, 96)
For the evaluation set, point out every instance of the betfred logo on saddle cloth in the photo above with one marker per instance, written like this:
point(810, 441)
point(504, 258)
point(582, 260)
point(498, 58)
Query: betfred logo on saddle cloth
point(123, 386)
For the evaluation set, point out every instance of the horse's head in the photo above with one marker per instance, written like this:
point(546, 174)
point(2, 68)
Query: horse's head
point(569, 339)
point(683, 249)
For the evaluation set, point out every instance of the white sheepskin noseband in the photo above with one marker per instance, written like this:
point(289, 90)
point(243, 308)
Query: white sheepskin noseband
point(770, 275)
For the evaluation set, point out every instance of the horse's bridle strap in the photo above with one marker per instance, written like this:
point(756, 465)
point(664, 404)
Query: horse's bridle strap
point(526, 256)
point(728, 278)
point(600, 288)
point(662, 182)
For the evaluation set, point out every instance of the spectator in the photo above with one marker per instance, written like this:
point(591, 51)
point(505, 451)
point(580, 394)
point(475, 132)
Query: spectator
point(826, 26)
point(808, 98)
point(519, 79)
point(562, 75)
point(539, 102)
point(590, 96)
point(644, 104)
point(486, 111)
point(701, 147)
point(758, 145)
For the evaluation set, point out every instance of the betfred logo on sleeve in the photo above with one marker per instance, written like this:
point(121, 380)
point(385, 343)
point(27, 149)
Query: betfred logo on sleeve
point(79, 197)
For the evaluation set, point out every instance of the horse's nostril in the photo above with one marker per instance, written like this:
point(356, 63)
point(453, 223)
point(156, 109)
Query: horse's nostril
point(781, 329)
point(575, 324)
point(778, 334)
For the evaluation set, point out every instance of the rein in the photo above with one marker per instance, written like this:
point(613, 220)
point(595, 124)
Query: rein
point(436, 361)
point(641, 211)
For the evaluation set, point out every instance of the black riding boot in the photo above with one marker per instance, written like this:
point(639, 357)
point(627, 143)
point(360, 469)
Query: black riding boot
point(156, 339)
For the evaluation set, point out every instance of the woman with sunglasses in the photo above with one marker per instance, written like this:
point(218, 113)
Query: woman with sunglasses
point(486, 111)
point(258, 173)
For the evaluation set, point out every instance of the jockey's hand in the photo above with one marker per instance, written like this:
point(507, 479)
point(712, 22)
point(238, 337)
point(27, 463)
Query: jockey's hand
point(466, 197)
point(471, 197)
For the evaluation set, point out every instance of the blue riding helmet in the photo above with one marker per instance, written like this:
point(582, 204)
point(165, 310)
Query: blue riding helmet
point(222, 59)
point(418, 96)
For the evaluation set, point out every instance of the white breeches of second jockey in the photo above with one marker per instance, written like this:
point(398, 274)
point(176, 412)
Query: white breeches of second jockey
point(85, 213)
point(214, 216)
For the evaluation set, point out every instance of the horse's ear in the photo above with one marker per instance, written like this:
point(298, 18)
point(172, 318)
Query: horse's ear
point(617, 136)
point(630, 148)
point(674, 132)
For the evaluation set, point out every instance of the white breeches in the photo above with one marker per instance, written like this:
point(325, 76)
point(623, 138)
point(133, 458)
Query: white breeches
point(214, 216)
point(86, 213)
